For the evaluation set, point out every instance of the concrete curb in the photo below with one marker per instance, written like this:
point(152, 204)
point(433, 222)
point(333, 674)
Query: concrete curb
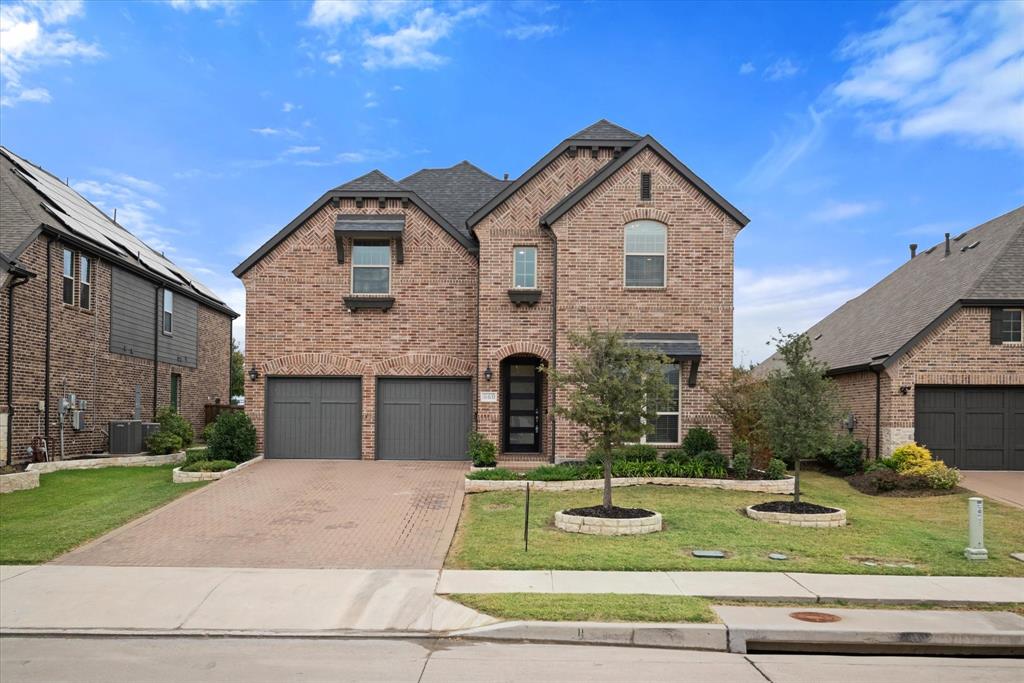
point(679, 636)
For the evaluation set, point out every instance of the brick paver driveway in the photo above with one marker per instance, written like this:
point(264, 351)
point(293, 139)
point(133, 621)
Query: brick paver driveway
point(298, 513)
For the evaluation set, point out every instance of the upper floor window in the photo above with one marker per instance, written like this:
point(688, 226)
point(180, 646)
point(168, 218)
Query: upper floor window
point(645, 254)
point(371, 267)
point(1007, 325)
point(666, 425)
point(69, 277)
point(524, 275)
point(168, 316)
point(85, 282)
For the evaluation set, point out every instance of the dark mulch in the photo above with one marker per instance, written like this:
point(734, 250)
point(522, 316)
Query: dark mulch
point(908, 487)
point(793, 508)
point(610, 513)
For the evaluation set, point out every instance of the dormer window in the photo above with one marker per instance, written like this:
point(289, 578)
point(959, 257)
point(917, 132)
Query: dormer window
point(371, 267)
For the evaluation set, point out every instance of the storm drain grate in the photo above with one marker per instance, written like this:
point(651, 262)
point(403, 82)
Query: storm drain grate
point(815, 617)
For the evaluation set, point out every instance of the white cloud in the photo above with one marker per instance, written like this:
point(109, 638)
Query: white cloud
point(792, 299)
point(303, 149)
point(334, 58)
point(290, 106)
point(228, 6)
point(370, 99)
point(131, 198)
point(841, 211)
point(938, 69)
point(781, 69)
point(747, 68)
point(412, 46)
point(333, 14)
point(267, 131)
point(529, 31)
point(786, 150)
point(32, 37)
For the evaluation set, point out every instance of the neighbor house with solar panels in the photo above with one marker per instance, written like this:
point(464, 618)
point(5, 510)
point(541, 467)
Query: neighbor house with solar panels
point(98, 331)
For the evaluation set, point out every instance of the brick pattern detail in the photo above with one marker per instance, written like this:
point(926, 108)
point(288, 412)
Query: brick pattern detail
point(957, 352)
point(81, 362)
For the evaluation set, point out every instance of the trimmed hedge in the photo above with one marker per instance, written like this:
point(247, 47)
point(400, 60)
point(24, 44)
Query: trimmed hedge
point(209, 466)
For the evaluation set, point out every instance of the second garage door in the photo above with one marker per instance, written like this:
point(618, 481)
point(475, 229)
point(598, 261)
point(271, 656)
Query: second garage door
point(423, 418)
point(313, 417)
point(973, 428)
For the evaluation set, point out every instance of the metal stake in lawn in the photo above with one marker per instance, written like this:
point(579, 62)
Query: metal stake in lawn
point(526, 522)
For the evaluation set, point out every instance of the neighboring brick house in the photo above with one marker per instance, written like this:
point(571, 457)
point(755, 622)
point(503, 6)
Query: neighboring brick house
point(391, 318)
point(95, 313)
point(933, 352)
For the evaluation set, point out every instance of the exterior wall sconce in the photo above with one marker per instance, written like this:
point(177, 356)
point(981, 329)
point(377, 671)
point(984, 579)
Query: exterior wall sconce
point(254, 374)
point(904, 390)
point(850, 423)
point(488, 373)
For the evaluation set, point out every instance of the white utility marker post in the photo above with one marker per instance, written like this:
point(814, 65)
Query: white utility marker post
point(975, 530)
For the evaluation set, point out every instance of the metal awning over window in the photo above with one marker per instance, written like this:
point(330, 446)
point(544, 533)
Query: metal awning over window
point(679, 346)
point(361, 226)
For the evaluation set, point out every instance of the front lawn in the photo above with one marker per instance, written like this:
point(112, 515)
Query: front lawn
point(71, 507)
point(590, 607)
point(928, 532)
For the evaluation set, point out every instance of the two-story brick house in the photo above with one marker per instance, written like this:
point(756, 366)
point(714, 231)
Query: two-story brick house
point(89, 311)
point(392, 317)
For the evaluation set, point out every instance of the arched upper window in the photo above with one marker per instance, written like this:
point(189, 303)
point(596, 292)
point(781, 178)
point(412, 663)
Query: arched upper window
point(645, 254)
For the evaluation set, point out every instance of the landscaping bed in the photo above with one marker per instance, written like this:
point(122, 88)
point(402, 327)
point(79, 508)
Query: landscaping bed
point(74, 506)
point(929, 533)
point(608, 607)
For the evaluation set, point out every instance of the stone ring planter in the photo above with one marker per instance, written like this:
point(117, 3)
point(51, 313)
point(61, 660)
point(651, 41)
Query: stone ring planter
point(817, 520)
point(783, 486)
point(19, 481)
point(600, 526)
point(180, 477)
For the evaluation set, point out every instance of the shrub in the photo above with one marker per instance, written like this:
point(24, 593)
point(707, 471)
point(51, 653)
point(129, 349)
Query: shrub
point(494, 474)
point(171, 421)
point(195, 455)
point(716, 465)
point(231, 437)
point(677, 456)
point(163, 442)
point(637, 452)
point(910, 459)
point(776, 469)
point(845, 456)
point(208, 466)
point(482, 450)
point(565, 472)
point(883, 479)
point(741, 465)
point(941, 477)
point(699, 440)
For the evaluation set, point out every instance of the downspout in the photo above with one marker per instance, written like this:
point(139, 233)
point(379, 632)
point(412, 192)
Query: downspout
point(877, 369)
point(156, 350)
point(46, 355)
point(476, 394)
point(554, 334)
point(16, 280)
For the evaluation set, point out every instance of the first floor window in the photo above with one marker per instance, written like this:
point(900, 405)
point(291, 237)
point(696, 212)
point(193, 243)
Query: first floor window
point(69, 277)
point(168, 316)
point(371, 267)
point(524, 268)
point(85, 282)
point(666, 425)
point(1013, 318)
point(645, 254)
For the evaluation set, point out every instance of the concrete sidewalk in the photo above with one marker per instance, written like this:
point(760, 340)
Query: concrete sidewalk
point(777, 586)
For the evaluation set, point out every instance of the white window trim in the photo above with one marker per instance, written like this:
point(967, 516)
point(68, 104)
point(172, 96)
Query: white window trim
point(87, 282)
point(74, 280)
point(164, 329)
point(626, 254)
point(532, 247)
point(352, 274)
point(677, 412)
point(1021, 311)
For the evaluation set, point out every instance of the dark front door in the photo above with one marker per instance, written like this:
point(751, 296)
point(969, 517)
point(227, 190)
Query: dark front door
point(522, 406)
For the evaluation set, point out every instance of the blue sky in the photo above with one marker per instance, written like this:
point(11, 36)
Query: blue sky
point(845, 131)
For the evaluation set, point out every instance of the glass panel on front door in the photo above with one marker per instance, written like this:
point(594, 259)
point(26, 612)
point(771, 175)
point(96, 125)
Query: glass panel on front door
point(522, 407)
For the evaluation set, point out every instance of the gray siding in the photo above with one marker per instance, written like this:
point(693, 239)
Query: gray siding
point(132, 314)
point(181, 346)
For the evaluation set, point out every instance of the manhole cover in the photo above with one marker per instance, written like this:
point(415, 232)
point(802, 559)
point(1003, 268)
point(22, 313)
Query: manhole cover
point(815, 617)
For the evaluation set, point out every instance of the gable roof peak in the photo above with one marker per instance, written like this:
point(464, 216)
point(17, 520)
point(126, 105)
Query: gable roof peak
point(605, 130)
point(373, 181)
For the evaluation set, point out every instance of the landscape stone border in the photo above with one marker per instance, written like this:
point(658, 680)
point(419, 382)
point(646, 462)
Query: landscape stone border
point(179, 477)
point(142, 460)
point(781, 486)
point(18, 481)
point(601, 526)
point(819, 520)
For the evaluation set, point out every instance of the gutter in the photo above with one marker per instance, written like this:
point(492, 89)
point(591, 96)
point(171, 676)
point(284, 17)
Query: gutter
point(19, 277)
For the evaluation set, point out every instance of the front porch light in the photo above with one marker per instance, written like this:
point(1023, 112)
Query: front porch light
point(488, 373)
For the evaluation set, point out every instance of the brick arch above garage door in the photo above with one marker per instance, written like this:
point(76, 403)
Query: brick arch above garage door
point(313, 364)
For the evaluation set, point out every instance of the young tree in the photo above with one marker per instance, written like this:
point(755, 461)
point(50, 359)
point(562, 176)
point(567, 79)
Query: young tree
point(799, 404)
point(735, 401)
point(614, 393)
point(237, 371)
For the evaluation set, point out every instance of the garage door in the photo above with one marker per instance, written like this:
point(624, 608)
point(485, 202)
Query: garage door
point(423, 419)
point(973, 428)
point(313, 417)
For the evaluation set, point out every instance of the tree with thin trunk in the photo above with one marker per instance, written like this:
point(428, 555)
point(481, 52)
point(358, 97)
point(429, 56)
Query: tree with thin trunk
point(237, 372)
point(614, 391)
point(799, 404)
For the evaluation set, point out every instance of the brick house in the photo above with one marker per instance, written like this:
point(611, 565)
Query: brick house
point(933, 352)
point(390, 318)
point(87, 309)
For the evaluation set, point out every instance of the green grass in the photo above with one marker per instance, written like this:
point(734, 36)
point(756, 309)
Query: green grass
point(74, 506)
point(930, 532)
point(589, 607)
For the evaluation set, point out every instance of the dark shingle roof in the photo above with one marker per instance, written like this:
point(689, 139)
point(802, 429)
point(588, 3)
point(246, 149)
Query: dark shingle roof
point(883, 320)
point(21, 212)
point(374, 181)
point(455, 192)
point(604, 130)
